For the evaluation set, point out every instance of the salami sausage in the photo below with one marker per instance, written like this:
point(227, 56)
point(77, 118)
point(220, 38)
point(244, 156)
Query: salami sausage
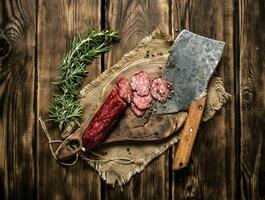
point(104, 119)
point(139, 94)
point(141, 83)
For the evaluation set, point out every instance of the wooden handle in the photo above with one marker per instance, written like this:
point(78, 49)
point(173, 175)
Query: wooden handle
point(188, 134)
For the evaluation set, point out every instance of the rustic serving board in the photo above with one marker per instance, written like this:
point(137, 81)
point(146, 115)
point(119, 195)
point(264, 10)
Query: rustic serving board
point(150, 127)
point(130, 127)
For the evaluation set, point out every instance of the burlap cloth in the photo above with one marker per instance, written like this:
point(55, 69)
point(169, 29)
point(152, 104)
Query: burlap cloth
point(143, 153)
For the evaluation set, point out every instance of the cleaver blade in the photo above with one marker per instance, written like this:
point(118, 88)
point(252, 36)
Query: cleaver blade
point(190, 65)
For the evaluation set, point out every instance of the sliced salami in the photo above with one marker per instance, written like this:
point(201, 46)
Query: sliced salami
point(136, 111)
point(160, 89)
point(142, 102)
point(125, 89)
point(141, 83)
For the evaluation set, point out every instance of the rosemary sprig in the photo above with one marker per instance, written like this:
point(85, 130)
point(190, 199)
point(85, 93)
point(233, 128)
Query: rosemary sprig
point(65, 107)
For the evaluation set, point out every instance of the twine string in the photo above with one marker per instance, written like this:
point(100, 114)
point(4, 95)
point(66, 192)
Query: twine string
point(44, 128)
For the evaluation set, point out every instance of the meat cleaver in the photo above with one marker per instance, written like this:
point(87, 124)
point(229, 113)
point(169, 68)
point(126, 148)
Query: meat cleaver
point(190, 65)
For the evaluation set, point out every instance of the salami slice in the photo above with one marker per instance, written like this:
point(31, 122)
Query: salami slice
point(140, 102)
point(160, 89)
point(141, 83)
point(136, 111)
point(125, 89)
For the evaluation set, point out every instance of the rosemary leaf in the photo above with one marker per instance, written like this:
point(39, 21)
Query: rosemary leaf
point(65, 107)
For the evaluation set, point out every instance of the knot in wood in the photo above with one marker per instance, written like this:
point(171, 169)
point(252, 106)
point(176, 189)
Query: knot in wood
point(247, 95)
point(5, 46)
point(248, 98)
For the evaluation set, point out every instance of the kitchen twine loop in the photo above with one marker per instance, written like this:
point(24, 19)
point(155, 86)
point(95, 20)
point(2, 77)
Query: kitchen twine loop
point(77, 150)
point(44, 128)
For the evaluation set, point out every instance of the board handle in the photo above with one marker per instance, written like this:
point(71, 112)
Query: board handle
point(188, 134)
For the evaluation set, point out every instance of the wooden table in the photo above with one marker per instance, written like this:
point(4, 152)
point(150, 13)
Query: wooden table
point(228, 160)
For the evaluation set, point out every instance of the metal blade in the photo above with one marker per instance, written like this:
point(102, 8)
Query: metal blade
point(189, 67)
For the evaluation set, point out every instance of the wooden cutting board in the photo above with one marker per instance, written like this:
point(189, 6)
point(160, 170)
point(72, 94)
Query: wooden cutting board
point(150, 127)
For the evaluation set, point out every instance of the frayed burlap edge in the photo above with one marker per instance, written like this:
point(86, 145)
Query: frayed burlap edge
point(111, 178)
point(216, 97)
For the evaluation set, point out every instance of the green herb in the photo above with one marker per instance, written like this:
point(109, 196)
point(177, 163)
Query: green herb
point(65, 107)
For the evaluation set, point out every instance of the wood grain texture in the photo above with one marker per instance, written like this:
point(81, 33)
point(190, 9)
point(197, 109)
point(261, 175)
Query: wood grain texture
point(17, 107)
point(58, 22)
point(252, 90)
point(134, 20)
point(229, 150)
point(211, 172)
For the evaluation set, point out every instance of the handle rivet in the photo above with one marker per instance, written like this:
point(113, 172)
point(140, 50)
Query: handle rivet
point(200, 107)
point(190, 130)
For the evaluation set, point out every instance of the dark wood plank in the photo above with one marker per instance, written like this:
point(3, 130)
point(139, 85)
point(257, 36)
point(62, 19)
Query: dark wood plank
point(211, 171)
point(134, 20)
point(17, 112)
point(252, 88)
point(58, 22)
